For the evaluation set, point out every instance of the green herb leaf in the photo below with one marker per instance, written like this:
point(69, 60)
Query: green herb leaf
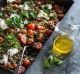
point(24, 14)
point(45, 9)
point(46, 63)
point(54, 17)
point(16, 21)
point(33, 15)
point(10, 41)
point(57, 61)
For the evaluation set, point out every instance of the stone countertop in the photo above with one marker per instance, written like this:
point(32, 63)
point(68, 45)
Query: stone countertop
point(71, 64)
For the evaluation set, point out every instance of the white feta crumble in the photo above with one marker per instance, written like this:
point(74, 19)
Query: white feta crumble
point(43, 14)
point(14, 15)
point(5, 59)
point(21, 6)
point(12, 51)
point(49, 6)
point(10, 1)
point(3, 25)
point(26, 7)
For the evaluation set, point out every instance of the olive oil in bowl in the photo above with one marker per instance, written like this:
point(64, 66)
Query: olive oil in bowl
point(62, 45)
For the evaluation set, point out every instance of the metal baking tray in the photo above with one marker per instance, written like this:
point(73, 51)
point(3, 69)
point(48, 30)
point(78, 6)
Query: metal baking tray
point(67, 5)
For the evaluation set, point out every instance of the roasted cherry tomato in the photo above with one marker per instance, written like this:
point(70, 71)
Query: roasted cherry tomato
point(30, 32)
point(39, 27)
point(14, 66)
point(48, 32)
point(31, 26)
point(37, 45)
point(22, 38)
point(26, 63)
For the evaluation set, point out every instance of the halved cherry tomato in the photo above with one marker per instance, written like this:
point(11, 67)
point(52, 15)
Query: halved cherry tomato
point(37, 45)
point(22, 38)
point(31, 26)
point(39, 27)
point(30, 32)
point(48, 32)
point(26, 63)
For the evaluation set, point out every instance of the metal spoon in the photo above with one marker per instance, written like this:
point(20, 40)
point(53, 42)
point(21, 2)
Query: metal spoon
point(18, 67)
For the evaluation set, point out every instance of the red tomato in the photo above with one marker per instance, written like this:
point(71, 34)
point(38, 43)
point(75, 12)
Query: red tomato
point(39, 27)
point(49, 32)
point(26, 63)
point(37, 45)
point(22, 38)
point(31, 26)
point(30, 32)
point(14, 66)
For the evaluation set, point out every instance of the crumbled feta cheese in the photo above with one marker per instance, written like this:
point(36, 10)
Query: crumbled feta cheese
point(10, 1)
point(14, 15)
point(43, 14)
point(3, 25)
point(18, 29)
point(21, 6)
point(5, 59)
point(26, 7)
point(12, 51)
point(49, 6)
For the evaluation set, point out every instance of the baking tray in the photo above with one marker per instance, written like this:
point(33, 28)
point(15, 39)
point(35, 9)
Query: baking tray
point(66, 3)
